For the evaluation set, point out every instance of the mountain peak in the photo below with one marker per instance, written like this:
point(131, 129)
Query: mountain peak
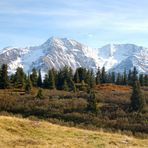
point(58, 52)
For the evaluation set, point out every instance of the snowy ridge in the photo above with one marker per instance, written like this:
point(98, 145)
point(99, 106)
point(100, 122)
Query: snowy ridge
point(124, 56)
point(58, 52)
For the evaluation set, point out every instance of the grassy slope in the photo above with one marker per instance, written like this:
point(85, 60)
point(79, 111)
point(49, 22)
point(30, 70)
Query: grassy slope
point(16, 132)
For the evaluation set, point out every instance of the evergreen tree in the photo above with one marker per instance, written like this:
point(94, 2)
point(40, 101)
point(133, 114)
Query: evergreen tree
point(103, 75)
point(98, 76)
point(109, 78)
point(72, 85)
point(137, 99)
point(34, 77)
point(40, 94)
point(141, 79)
point(39, 80)
point(51, 79)
point(76, 77)
point(92, 103)
point(125, 78)
point(28, 85)
point(65, 86)
point(4, 79)
point(71, 75)
point(82, 74)
point(130, 77)
point(46, 82)
point(119, 79)
point(146, 80)
point(20, 77)
point(134, 75)
point(113, 78)
point(91, 82)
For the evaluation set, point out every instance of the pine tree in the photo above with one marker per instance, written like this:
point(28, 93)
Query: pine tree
point(113, 78)
point(137, 99)
point(91, 82)
point(20, 77)
point(40, 94)
point(130, 77)
point(146, 80)
point(125, 78)
point(109, 78)
point(4, 79)
point(76, 77)
point(141, 79)
point(39, 80)
point(51, 79)
point(103, 75)
point(98, 76)
point(71, 74)
point(34, 77)
point(65, 86)
point(119, 79)
point(28, 87)
point(92, 103)
point(72, 85)
point(134, 75)
point(46, 82)
point(82, 74)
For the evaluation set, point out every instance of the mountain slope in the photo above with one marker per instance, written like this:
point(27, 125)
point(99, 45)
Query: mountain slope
point(16, 132)
point(58, 52)
point(54, 53)
point(124, 56)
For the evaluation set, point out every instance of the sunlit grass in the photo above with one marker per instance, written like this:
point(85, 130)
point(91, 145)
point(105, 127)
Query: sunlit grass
point(17, 132)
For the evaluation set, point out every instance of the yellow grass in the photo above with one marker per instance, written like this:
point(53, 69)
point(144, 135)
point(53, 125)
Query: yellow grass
point(16, 132)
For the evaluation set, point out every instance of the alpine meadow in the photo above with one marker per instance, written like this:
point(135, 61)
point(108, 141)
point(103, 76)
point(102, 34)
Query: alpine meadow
point(73, 74)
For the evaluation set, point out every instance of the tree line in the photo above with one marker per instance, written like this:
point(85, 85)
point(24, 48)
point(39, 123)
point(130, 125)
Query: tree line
point(66, 79)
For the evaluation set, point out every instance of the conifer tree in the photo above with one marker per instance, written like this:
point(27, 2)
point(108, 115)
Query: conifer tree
point(72, 85)
point(91, 82)
point(76, 77)
point(40, 94)
point(141, 79)
point(28, 86)
point(109, 78)
point(46, 82)
point(146, 80)
point(103, 75)
point(125, 78)
point(51, 79)
point(119, 79)
point(134, 75)
point(34, 77)
point(130, 77)
point(92, 103)
point(98, 76)
point(71, 75)
point(137, 99)
point(20, 78)
point(65, 86)
point(4, 79)
point(39, 80)
point(113, 78)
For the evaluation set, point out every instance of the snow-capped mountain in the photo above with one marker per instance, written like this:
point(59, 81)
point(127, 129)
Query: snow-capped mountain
point(124, 56)
point(54, 53)
point(58, 52)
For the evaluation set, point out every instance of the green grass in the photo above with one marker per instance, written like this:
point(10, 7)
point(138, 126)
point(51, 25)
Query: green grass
point(17, 132)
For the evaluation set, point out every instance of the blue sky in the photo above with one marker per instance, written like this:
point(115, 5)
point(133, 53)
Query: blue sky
point(93, 22)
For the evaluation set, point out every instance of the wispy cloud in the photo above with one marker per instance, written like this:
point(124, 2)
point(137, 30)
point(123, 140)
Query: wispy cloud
point(105, 19)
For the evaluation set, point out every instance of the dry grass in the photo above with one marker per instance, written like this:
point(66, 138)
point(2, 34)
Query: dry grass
point(113, 87)
point(16, 132)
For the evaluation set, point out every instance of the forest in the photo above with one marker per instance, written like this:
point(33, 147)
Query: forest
point(110, 101)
